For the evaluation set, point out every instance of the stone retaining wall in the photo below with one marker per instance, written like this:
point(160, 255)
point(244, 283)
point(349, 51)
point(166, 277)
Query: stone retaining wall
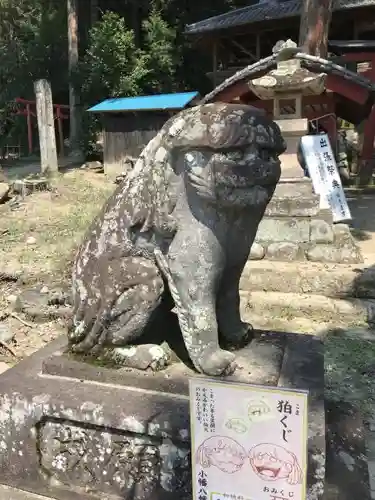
point(295, 228)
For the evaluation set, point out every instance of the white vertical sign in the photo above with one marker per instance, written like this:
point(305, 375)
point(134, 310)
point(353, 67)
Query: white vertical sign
point(325, 177)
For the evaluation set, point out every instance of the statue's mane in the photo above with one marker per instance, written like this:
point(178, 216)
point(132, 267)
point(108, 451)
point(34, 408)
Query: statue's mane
point(149, 188)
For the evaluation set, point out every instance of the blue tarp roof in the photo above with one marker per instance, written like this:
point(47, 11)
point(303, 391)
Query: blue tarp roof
point(146, 102)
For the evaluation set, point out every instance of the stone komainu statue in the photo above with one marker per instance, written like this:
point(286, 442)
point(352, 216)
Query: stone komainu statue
point(179, 227)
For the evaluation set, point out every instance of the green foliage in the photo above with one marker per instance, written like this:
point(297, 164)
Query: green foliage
point(112, 65)
point(159, 53)
point(32, 45)
point(133, 49)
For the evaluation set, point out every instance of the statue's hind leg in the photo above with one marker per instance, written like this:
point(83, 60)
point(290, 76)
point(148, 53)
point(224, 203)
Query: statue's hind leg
point(132, 314)
point(124, 310)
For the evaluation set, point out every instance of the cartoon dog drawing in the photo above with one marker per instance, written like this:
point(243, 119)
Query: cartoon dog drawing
point(271, 462)
point(257, 409)
point(236, 425)
point(221, 452)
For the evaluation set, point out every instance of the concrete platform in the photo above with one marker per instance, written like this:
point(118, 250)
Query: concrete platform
point(8, 493)
point(75, 430)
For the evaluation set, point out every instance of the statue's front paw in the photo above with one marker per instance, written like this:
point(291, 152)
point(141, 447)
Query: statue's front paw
point(142, 357)
point(169, 226)
point(239, 337)
point(217, 363)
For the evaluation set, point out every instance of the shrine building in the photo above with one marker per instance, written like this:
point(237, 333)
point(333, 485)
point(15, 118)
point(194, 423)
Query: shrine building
point(343, 85)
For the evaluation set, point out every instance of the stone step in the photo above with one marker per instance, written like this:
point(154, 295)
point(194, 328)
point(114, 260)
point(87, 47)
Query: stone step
point(297, 325)
point(319, 308)
point(330, 280)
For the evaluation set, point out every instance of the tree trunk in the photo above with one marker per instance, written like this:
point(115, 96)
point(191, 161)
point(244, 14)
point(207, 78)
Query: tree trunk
point(94, 11)
point(74, 101)
point(46, 127)
point(314, 26)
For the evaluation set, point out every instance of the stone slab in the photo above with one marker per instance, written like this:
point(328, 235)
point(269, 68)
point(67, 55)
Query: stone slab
point(284, 251)
point(315, 307)
point(267, 347)
point(28, 186)
point(321, 232)
point(290, 167)
point(345, 254)
point(293, 206)
point(291, 230)
point(75, 430)
point(296, 188)
point(294, 126)
point(7, 493)
point(331, 280)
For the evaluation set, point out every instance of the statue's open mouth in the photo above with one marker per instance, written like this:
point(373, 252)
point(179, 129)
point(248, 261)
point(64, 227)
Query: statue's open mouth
point(258, 172)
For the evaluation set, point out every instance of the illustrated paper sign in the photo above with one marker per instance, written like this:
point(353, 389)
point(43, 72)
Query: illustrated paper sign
point(324, 175)
point(248, 442)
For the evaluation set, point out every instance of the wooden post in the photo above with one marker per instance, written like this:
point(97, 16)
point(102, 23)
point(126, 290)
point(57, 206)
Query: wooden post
point(257, 49)
point(355, 30)
point(60, 131)
point(29, 129)
point(214, 63)
point(46, 127)
point(94, 11)
point(74, 103)
point(314, 26)
point(366, 140)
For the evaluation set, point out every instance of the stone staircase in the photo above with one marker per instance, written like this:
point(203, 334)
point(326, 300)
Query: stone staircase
point(295, 228)
point(305, 273)
point(307, 296)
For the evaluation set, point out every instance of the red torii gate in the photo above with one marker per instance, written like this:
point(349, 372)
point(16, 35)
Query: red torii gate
point(29, 111)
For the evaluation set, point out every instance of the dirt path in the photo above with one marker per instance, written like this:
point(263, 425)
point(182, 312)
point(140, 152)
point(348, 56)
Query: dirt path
point(37, 243)
point(20, 169)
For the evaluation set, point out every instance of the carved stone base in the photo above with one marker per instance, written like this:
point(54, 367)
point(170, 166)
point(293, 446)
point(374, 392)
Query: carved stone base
point(75, 430)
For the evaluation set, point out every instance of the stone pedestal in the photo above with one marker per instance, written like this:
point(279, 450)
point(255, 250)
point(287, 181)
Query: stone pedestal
point(73, 430)
point(295, 228)
point(292, 130)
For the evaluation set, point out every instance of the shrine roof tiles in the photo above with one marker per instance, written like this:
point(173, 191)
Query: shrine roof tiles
point(312, 63)
point(264, 10)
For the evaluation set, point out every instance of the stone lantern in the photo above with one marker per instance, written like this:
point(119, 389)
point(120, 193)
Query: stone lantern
point(286, 86)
